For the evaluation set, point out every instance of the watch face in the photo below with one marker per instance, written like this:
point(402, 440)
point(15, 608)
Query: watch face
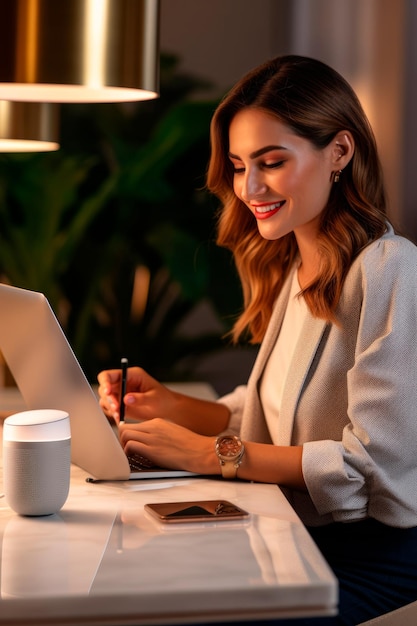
point(229, 446)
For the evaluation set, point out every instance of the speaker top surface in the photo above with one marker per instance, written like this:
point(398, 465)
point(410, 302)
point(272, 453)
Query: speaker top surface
point(37, 425)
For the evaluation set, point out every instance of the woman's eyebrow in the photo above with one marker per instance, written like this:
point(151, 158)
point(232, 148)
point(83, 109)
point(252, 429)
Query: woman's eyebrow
point(259, 152)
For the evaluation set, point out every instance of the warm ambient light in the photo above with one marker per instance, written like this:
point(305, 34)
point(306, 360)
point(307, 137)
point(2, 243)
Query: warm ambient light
point(28, 126)
point(79, 50)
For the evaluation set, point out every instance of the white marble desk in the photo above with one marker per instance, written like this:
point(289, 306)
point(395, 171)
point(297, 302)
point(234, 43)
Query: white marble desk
point(101, 560)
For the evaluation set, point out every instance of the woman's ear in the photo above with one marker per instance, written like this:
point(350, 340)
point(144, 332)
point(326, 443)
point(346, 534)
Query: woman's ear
point(343, 148)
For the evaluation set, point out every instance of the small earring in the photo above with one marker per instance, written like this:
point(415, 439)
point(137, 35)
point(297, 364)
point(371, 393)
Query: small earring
point(336, 176)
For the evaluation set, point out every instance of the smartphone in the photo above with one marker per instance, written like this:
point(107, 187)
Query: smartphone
point(196, 511)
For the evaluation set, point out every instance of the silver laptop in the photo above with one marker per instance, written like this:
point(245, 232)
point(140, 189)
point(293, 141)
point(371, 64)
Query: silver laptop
point(49, 376)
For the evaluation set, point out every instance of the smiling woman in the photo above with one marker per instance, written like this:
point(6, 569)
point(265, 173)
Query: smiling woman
point(290, 179)
point(329, 411)
point(325, 113)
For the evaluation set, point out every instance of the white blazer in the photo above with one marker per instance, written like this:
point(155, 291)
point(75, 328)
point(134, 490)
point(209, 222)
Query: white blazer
point(351, 394)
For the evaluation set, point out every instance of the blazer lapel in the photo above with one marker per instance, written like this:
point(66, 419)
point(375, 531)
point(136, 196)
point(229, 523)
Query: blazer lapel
point(253, 425)
point(308, 342)
point(304, 353)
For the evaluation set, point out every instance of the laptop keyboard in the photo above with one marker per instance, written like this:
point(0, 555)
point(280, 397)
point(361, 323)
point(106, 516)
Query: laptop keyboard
point(138, 463)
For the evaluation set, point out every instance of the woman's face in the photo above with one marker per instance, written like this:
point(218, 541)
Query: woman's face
point(281, 177)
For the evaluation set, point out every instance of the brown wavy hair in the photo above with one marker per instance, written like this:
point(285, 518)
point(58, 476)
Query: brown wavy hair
point(316, 103)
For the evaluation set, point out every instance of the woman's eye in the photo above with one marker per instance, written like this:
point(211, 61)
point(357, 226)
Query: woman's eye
point(238, 170)
point(274, 165)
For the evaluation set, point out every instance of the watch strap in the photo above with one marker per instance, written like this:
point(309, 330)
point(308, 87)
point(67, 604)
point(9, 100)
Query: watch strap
point(229, 468)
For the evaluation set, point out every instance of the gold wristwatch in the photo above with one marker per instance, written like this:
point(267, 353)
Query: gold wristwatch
point(230, 451)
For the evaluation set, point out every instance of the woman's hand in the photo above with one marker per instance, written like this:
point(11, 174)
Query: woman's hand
point(178, 432)
point(145, 397)
point(170, 445)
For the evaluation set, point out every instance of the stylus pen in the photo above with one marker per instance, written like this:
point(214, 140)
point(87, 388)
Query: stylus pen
point(124, 363)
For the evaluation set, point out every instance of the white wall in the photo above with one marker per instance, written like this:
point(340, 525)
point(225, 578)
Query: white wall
point(222, 39)
point(364, 40)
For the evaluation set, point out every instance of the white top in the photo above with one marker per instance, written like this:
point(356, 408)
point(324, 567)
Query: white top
point(276, 369)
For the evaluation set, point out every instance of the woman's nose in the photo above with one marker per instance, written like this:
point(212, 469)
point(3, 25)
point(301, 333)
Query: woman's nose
point(253, 185)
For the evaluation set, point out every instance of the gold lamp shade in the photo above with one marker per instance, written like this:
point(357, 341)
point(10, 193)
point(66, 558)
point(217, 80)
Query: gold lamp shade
point(28, 126)
point(79, 50)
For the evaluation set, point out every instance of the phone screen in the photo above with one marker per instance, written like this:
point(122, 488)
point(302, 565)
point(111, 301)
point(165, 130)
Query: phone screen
point(196, 511)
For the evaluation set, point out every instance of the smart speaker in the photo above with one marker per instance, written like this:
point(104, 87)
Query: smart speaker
point(36, 461)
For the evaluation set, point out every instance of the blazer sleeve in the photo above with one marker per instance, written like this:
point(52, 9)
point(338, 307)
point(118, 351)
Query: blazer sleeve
point(235, 402)
point(372, 470)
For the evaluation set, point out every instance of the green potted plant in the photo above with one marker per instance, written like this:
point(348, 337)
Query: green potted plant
point(120, 214)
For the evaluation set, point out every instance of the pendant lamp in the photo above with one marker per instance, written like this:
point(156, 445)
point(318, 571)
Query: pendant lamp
point(79, 50)
point(28, 126)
